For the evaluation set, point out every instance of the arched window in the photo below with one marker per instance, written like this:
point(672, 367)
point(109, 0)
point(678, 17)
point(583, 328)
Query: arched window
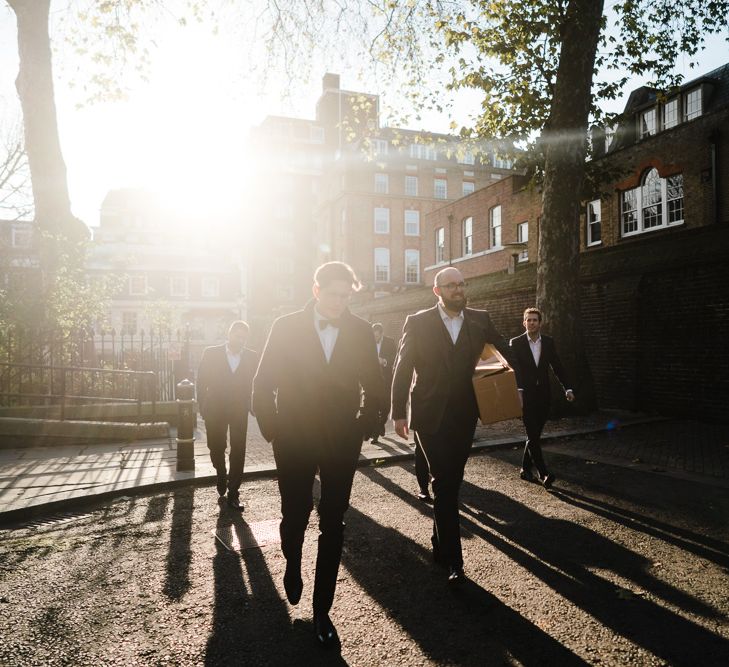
point(652, 199)
point(656, 203)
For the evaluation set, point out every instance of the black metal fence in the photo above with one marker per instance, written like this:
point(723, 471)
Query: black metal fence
point(33, 362)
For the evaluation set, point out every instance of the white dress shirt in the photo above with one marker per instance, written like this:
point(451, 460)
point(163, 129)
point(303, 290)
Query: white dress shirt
point(233, 359)
point(453, 324)
point(536, 347)
point(327, 336)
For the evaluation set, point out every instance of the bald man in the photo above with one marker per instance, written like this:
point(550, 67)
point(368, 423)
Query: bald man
point(442, 345)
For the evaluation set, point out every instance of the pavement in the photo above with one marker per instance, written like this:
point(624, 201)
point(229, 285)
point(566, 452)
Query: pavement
point(42, 480)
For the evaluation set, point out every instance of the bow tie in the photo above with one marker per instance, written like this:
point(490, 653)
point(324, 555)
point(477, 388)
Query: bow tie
point(323, 324)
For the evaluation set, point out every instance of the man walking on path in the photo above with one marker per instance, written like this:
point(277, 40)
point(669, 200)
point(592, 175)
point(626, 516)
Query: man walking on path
point(224, 380)
point(306, 398)
point(441, 345)
point(535, 353)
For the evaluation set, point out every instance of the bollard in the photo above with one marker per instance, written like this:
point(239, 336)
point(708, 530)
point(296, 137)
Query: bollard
point(185, 425)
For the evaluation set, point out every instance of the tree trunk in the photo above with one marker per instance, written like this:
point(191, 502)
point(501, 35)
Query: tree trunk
point(35, 89)
point(564, 138)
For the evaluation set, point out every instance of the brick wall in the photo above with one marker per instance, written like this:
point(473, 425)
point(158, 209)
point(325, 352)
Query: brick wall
point(655, 316)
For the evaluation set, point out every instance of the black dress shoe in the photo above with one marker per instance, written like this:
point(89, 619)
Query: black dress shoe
point(425, 496)
point(222, 484)
point(293, 585)
point(526, 475)
point(326, 633)
point(234, 502)
point(548, 480)
point(455, 574)
point(375, 441)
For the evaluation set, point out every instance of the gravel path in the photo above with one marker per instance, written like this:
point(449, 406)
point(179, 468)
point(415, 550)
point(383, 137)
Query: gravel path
point(616, 567)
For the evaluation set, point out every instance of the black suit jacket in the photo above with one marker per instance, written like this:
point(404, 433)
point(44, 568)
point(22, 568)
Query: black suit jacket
point(533, 379)
point(424, 350)
point(299, 397)
point(220, 392)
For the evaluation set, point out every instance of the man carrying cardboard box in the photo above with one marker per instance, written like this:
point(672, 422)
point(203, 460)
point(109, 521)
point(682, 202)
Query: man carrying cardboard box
point(441, 345)
point(536, 353)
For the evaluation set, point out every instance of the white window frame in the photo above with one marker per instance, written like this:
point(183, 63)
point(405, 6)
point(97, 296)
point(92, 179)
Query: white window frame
point(468, 190)
point(380, 146)
point(440, 245)
point(423, 152)
point(316, 134)
point(210, 287)
point(693, 103)
point(638, 196)
point(382, 183)
point(134, 285)
point(411, 253)
point(467, 236)
point(183, 280)
point(648, 120)
point(411, 186)
point(414, 216)
point(522, 236)
point(382, 217)
point(440, 188)
point(495, 226)
point(467, 158)
point(671, 113)
point(593, 220)
point(382, 261)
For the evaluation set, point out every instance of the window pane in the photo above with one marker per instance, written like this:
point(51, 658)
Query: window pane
point(652, 200)
point(412, 266)
point(412, 223)
point(670, 113)
point(629, 210)
point(381, 183)
point(441, 188)
point(674, 196)
point(495, 225)
point(382, 265)
point(468, 236)
point(411, 186)
point(382, 221)
point(693, 104)
point(648, 123)
point(439, 244)
point(468, 187)
point(594, 232)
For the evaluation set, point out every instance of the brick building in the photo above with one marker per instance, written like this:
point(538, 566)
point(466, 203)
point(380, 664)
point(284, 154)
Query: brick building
point(343, 187)
point(670, 151)
point(655, 250)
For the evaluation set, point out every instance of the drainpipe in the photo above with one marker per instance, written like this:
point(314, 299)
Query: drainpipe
point(714, 176)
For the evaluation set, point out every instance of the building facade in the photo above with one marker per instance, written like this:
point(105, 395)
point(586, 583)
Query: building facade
point(164, 280)
point(346, 188)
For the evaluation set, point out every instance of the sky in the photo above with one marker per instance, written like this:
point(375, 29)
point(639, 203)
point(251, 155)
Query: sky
point(183, 133)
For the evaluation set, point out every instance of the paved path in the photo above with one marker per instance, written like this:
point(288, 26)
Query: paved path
point(46, 479)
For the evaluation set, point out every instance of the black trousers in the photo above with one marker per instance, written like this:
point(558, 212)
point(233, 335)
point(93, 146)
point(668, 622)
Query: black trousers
point(534, 416)
point(446, 452)
point(296, 464)
point(217, 429)
point(422, 474)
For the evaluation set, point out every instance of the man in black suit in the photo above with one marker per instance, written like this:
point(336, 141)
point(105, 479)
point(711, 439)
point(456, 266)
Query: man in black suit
point(535, 353)
point(306, 397)
point(386, 351)
point(224, 380)
point(441, 345)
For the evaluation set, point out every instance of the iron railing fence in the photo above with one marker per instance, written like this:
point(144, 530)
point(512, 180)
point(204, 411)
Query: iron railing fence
point(160, 350)
point(42, 385)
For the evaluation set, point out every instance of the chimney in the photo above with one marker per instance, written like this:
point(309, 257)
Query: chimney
point(330, 81)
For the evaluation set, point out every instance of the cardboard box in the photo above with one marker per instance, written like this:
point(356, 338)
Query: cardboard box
point(495, 386)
